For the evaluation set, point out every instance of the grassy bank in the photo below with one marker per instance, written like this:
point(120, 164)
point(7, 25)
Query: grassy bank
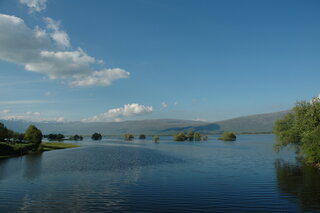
point(48, 146)
point(14, 150)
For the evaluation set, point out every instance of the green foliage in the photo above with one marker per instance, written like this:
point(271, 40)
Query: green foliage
point(96, 136)
point(301, 128)
point(128, 137)
point(156, 138)
point(142, 137)
point(180, 137)
point(197, 136)
point(76, 138)
point(55, 137)
point(191, 136)
point(16, 149)
point(33, 135)
point(228, 136)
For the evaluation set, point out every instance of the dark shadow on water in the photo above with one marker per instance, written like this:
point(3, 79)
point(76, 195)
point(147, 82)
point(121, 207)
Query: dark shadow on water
point(32, 166)
point(300, 183)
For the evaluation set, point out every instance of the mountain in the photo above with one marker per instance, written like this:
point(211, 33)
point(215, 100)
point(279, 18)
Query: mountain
point(249, 124)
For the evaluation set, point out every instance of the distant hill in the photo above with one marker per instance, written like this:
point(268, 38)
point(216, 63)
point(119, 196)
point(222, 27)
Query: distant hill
point(250, 124)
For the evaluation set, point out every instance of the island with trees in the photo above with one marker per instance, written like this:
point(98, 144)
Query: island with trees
point(301, 128)
point(190, 136)
point(228, 136)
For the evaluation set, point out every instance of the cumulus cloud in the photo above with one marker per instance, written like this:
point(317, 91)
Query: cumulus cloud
point(42, 51)
point(33, 113)
point(60, 37)
point(35, 5)
point(117, 114)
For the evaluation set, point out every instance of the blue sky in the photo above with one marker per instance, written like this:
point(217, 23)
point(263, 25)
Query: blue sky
point(145, 59)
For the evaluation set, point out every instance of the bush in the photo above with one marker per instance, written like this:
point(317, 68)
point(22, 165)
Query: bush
point(142, 137)
point(128, 137)
point(33, 135)
point(228, 136)
point(180, 137)
point(96, 136)
point(156, 138)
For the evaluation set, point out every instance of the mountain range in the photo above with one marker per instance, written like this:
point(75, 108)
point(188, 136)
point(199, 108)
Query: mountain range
point(246, 124)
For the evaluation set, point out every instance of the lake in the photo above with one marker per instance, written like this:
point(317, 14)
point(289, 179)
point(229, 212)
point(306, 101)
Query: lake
point(140, 176)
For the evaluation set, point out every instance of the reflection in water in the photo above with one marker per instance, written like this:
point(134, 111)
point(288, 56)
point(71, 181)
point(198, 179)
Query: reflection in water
point(32, 166)
point(300, 182)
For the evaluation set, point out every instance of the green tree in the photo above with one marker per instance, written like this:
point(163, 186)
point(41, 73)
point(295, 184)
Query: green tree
point(228, 136)
point(33, 135)
point(142, 137)
point(180, 137)
point(301, 128)
point(156, 138)
point(128, 137)
point(197, 136)
point(96, 136)
point(190, 136)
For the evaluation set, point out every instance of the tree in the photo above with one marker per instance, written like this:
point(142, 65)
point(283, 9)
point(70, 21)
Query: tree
point(128, 137)
point(301, 128)
point(197, 136)
point(228, 136)
point(142, 137)
point(33, 135)
point(190, 136)
point(180, 137)
point(156, 138)
point(96, 136)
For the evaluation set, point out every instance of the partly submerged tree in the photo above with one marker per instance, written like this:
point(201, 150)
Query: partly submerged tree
point(301, 128)
point(33, 135)
point(228, 136)
point(180, 137)
point(128, 137)
point(96, 136)
point(156, 138)
point(142, 136)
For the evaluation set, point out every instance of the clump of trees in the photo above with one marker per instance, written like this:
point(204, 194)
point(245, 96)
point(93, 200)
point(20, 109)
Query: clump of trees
point(96, 136)
point(142, 137)
point(190, 136)
point(156, 138)
point(55, 137)
point(76, 138)
point(228, 136)
point(301, 127)
point(128, 137)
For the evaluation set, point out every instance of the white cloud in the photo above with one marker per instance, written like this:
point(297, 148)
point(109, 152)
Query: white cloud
point(60, 119)
point(35, 49)
point(35, 5)
point(60, 37)
point(164, 105)
point(128, 110)
point(33, 113)
point(101, 78)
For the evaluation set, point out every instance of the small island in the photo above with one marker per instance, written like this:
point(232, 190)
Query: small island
point(228, 136)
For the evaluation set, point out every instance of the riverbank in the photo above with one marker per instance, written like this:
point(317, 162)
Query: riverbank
point(15, 150)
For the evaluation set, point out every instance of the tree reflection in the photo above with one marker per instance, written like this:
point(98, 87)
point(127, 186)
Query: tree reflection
point(301, 182)
point(32, 166)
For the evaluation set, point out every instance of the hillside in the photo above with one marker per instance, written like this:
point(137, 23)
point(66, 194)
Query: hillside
point(253, 123)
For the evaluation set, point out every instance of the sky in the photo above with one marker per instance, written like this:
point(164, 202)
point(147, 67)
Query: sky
point(116, 60)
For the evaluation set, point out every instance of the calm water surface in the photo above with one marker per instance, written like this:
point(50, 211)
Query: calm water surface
point(140, 176)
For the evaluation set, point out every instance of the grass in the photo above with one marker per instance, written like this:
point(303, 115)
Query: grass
point(48, 146)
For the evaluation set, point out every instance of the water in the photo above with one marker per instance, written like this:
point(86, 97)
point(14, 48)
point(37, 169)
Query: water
point(141, 176)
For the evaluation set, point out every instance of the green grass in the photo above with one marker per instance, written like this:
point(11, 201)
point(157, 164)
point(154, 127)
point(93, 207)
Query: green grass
point(48, 146)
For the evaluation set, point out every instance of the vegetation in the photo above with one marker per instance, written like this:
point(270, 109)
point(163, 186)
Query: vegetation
point(33, 135)
point(301, 128)
point(96, 136)
point(48, 146)
point(191, 136)
point(128, 137)
point(156, 138)
point(76, 138)
point(55, 137)
point(142, 137)
point(228, 136)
